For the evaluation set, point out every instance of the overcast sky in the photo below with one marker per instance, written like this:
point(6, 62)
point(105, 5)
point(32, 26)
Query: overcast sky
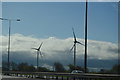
point(52, 22)
point(100, 54)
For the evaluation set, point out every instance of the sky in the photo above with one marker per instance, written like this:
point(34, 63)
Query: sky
point(57, 19)
point(0, 33)
point(52, 22)
point(59, 0)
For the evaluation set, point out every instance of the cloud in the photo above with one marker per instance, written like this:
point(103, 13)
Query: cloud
point(52, 46)
point(55, 49)
point(102, 50)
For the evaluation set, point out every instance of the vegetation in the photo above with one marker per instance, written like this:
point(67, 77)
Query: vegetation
point(114, 70)
point(58, 67)
point(43, 69)
point(24, 67)
point(72, 67)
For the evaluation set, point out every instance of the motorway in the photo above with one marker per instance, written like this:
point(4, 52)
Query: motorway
point(53, 76)
point(17, 78)
point(20, 79)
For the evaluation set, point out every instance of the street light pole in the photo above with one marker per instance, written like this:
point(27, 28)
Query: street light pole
point(9, 20)
point(9, 45)
point(85, 57)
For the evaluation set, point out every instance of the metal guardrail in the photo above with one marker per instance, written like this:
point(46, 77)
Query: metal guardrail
point(63, 76)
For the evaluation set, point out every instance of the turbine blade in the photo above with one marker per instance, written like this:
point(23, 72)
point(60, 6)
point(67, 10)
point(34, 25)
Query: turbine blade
point(80, 43)
point(40, 46)
point(74, 34)
point(72, 47)
point(34, 48)
point(40, 53)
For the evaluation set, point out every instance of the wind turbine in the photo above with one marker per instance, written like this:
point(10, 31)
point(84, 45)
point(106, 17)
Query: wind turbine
point(38, 52)
point(74, 47)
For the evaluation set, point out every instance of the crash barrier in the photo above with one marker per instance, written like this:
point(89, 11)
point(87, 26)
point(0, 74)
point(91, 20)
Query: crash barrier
point(63, 76)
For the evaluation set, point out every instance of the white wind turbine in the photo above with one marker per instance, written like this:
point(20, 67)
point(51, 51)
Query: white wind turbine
point(74, 47)
point(38, 52)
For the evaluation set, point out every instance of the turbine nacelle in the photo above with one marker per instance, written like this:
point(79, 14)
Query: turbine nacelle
point(75, 40)
point(38, 49)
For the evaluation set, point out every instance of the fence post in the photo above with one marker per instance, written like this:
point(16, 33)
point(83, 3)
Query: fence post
point(67, 78)
point(74, 78)
point(62, 77)
point(56, 77)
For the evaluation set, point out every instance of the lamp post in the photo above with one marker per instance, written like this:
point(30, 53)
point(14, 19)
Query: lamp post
point(85, 57)
point(9, 20)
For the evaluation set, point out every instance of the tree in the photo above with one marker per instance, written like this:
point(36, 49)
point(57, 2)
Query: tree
point(59, 67)
point(43, 69)
point(4, 66)
point(14, 66)
point(25, 67)
point(31, 68)
point(116, 69)
point(72, 67)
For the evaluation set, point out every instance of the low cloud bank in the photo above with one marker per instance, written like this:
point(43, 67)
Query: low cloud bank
point(55, 49)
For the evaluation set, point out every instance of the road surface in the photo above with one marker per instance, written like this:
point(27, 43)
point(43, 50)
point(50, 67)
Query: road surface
point(17, 78)
point(20, 79)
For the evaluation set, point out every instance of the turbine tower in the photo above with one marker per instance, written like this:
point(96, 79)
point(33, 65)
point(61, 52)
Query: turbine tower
point(38, 52)
point(74, 47)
